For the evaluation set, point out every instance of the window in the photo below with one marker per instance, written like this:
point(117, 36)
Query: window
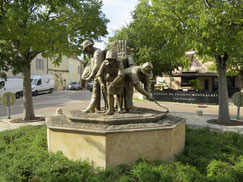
point(34, 81)
point(215, 83)
point(39, 82)
point(39, 64)
point(230, 82)
point(70, 68)
point(185, 80)
point(2, 84)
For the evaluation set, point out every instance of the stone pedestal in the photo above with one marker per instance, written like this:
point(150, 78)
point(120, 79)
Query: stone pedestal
point(108, 141)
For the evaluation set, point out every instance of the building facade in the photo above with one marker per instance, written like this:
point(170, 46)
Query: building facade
point(208, 79)
point(69, 70)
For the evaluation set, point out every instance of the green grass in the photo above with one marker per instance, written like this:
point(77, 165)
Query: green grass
point(208, 156)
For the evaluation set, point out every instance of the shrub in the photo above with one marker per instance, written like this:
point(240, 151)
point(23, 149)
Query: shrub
point(25, 157)
point(202, 146)
point(208, 156)
point(165, 172)
point(144, 172)
point(195, 84)
point(58, 168)
point(188, 173)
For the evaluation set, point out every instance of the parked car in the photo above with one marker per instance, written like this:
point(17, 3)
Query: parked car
point(42, 83)
point(90, 85)
point(74, 86)
point(14, 85)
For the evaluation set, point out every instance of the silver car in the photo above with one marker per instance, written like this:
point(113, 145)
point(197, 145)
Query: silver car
point(74, 86)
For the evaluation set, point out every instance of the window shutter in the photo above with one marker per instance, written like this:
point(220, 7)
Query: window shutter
point(42, 65)
point(37, 64)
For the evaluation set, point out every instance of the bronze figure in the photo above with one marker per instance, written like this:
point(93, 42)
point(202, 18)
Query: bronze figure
point(134, 75)
point(90, 72)
point(108, 71)
point(117, 75)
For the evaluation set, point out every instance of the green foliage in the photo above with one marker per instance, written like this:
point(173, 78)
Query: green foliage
point(164, 172)
point(21, 152)
point(85, 60)
point(208, 156)
point(195, 84)
point(24, 156)
point(53, 28)
point(225, 171)
point(212, 67)
point(163, 30)
point(143, 171)
point(203, 146)
point(162, 84)
point(153, 41)
point(219, 171)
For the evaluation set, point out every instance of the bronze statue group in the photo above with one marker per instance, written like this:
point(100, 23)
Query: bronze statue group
point(115, 74)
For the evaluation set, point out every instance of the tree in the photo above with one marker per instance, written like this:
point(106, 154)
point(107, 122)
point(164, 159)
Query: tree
point(218, 36)
point(52, 28)
point(213, 28)
point(152, 41)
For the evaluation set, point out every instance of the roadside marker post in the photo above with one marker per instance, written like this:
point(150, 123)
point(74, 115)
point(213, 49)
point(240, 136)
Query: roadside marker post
point(8, 99)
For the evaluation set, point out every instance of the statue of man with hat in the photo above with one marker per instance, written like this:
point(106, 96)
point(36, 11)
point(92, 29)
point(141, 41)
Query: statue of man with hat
point(90, 72)
point(108, 72)
point(135, 75)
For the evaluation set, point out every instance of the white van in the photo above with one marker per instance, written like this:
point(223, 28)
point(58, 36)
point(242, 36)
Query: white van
point(14, 85)
point(42, 83)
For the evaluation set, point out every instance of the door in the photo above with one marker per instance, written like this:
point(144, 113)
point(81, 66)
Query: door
point(206, 85)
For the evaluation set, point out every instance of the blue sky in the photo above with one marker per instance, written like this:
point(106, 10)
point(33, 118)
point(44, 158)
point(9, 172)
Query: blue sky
point(119, 13)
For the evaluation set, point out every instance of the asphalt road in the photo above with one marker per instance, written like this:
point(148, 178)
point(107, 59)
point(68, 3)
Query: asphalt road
point(48, 103)
point(77, 100)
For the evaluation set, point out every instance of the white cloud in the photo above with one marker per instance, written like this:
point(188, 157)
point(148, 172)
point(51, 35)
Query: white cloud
point(119, 13)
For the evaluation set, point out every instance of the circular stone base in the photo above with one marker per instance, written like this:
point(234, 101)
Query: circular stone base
point(140, 115)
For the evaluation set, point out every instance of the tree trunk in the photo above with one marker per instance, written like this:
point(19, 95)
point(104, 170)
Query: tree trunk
point(223, 115)
point(28, 113)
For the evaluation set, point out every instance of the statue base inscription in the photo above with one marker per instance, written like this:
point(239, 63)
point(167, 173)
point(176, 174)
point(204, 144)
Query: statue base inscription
point(106, 143)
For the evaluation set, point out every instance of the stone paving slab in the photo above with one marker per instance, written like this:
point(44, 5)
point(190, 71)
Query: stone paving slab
point(194, 121)
point(5, 124)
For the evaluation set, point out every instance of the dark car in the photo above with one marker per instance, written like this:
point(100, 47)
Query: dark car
point(90, 85)
point(74, 86)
